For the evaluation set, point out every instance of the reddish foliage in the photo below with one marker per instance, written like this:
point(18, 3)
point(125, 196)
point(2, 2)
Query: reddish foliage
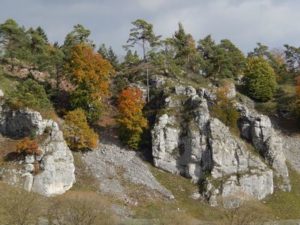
point(28, 146)
point(131, 119)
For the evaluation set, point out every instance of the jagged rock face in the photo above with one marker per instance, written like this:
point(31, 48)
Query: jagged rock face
point(291, 146)
point(21, 123)
point(246, 176)
point(165, 144)
point(195, 145)
point(57, 168)
point(258, 129)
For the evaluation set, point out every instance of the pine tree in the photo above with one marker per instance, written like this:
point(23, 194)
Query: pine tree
point(103, 51)
point(143, 33)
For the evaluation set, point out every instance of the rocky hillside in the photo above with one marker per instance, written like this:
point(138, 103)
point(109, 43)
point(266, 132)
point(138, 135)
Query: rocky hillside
point(191, 132)
point(187, 140)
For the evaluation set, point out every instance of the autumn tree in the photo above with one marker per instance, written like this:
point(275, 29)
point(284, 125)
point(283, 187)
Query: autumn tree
point(90, 73)
point(260, 79)
point(142, 33)
point(78, 134)
point(131, 120)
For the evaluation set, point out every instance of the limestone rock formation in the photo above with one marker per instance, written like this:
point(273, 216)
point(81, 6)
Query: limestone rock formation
point(291, 146)
point(186, 140)
point(57, 165)
point(56, 174)
point(258, 129)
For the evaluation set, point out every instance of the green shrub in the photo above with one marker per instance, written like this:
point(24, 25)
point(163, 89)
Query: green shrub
point(260, 79)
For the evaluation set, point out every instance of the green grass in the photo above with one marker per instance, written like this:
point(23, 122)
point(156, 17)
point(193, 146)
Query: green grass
point(286, 205)
point(85, 181)
point(281, 205)
point(181, 188)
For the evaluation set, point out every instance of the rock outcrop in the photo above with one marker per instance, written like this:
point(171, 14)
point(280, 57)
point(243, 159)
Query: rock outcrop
point(56, 174)
point(291, 146)
point(186, 140)
point(258, 129)
point(58, 170)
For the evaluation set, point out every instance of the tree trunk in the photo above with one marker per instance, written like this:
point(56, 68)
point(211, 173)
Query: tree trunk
point(148, 89)
point(144, 50)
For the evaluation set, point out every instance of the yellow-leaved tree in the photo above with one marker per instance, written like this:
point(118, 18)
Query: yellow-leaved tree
point(131, 120)
point(90, 74)
point(78, 134)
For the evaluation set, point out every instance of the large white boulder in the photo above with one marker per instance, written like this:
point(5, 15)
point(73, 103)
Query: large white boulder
point(57, 170)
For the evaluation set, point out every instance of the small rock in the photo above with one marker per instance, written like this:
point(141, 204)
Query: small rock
point(180, 90)
point(196, 196)
point(28, 181)
point(231, 90)
point(190, 91)
point(29, 168)
point(29, 159)
point(39, 157)
point(1, 94)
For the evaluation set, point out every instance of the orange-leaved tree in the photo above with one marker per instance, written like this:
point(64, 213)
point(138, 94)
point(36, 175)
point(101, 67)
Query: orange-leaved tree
point(90, 73)
point(131, 120)
point(78, 134)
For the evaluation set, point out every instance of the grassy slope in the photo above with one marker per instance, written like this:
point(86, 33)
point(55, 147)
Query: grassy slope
point(286, 205)
point(183, 205)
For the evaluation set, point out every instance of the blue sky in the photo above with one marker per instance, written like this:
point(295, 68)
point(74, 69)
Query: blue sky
point(245, 22)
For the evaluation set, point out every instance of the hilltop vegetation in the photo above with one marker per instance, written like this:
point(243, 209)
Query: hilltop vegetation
point(78, 76)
